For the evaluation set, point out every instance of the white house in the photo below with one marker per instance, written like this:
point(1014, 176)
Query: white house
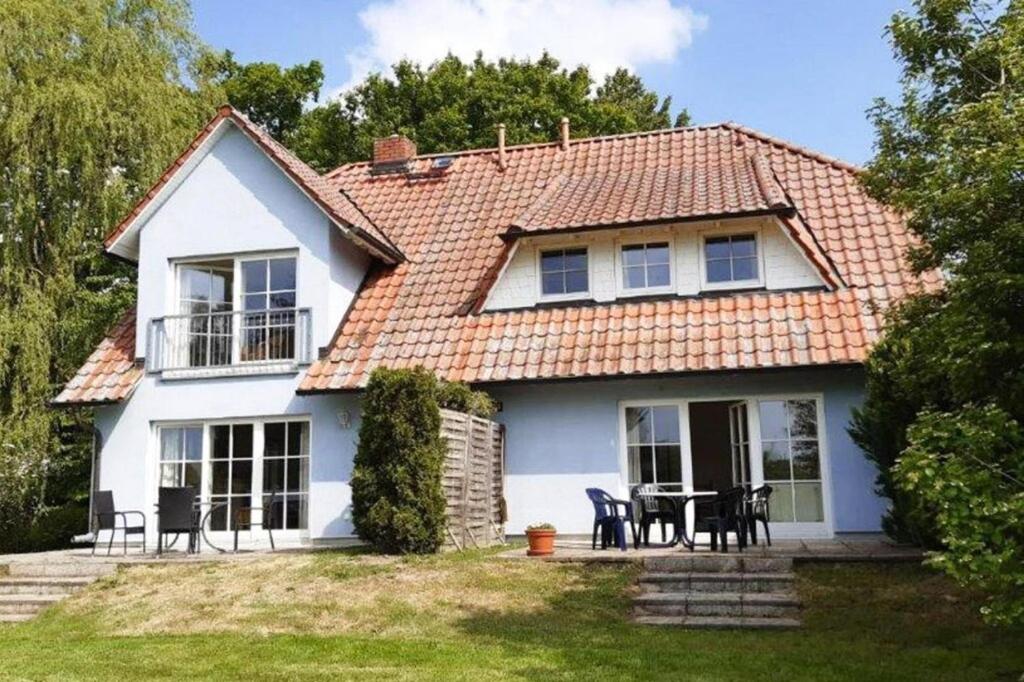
point(690, 307)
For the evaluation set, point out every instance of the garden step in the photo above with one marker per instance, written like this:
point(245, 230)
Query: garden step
point(717, 563)
point(43, 585)
point(15, 617)
point(720, 623)
point(716, 582)
point(27, 603)
point(18, 569)
point(753, 604)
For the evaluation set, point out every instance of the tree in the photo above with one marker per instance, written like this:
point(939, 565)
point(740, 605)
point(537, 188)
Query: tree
point(453, 105)
point(950, 157)
point(93, 104)
point(269, 95)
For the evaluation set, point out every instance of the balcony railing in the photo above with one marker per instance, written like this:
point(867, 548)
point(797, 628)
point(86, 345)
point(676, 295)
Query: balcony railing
point(249, 340)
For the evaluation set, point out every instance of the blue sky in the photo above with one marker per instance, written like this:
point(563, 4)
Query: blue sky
point(804, 70)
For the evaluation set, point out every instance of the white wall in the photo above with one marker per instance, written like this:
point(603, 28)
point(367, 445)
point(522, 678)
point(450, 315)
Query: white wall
point(784, 265)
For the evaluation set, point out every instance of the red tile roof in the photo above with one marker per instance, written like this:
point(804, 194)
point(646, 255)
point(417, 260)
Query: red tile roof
point(110, 374)
point(453, 230)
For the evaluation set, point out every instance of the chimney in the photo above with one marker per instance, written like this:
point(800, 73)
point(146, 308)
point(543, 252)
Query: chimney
point(564, 128)
point(393, 154)
point(502, 156)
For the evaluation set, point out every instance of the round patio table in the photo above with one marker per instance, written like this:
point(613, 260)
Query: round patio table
point(679, 502)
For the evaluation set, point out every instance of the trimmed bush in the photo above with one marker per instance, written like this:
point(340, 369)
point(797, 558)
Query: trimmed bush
point(455, 395)
point(398, 503)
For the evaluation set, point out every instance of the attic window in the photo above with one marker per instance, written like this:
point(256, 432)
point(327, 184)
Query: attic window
point(564, 273)
point(731, 261)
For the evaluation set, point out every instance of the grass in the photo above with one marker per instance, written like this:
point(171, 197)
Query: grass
point(343, 615)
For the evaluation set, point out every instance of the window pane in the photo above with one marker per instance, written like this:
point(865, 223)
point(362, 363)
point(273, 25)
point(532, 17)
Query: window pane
point(241, 476)
point(773, 420)
point(657, 253)
point(220, 286)
point(744, 269)
point(669, 460)
point(552, 261)
point(220, 477)
point(254, 275)
point(273, 439)
point(292, 513)
point(632, 254)
point(805, 460)
point(273, 475)
point(304, 475)
point(646, 456)
point(194, 475)
point(293, 480)
point(273, 516)
point(282, 274)
point(780, 504)
point(744, 246)
point(809, 507)
point(776, 460)
point(658, 276)
point(666, 424)
point(169, 475)
point(219, 441)
point(633, 461)
point(194, 443)
point(576, 259)
point(303, 513)
point(552, 283)
point(282, 299)
point(633, 278)
point(803, 419)
point(719, 271)
point(575, 281)
point(243, 441)
point(298, 438)
point(716, 247)
point(638, 425)
point(170, 444)
point(195, 284)
point(219, 515)
point(256, 302)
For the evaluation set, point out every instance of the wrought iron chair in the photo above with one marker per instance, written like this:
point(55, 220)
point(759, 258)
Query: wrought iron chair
point(651, 510)
point(756, 509)
point(177, 514)
point(608, 520)
point(106, 515)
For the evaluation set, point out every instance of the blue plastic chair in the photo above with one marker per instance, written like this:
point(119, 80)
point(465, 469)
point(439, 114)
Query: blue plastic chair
point(608, 520)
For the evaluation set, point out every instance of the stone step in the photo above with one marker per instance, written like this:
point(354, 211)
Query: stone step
point(754, 604)
point(720, 623)
point(24, 569)
point(15, 617)
point(36, 585)
point(717, 563)
point(27, 603)
point(716, 582)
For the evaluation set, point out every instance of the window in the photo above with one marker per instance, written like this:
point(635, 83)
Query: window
point(181, 457)
point(231, 464)
point(268, 298)
point(646, 266)
point(654, 446)
point(791, 457)
point(731, 259)
point(564, 272)
point(206, 297)
point(286, 472)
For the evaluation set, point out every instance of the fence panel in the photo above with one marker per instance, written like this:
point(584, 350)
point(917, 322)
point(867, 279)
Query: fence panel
point(474, 480)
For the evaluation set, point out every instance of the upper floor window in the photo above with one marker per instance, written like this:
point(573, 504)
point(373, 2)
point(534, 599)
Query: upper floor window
point(564, 272)
point(646, 266)
point(731, 260)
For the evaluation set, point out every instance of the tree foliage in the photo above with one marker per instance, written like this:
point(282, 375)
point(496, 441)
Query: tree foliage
point(951, 158)
point(93, 104)
point(452, 105)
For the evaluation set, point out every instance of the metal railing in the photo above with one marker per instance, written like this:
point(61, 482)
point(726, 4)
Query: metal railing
point(235, 338)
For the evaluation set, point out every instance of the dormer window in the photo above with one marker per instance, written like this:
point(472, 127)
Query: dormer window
point(646, 267)
point(564, 273)
point(731, 261)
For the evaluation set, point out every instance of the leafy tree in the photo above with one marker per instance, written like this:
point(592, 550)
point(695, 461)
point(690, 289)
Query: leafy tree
point(454, 105)
point(951, 158)
point(93, 105)
point(268, 94)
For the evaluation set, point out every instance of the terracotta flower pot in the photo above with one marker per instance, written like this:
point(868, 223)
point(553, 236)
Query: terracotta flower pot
point(542, 542)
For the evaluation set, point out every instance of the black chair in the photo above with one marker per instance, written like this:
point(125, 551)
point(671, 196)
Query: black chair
point(177, 514)
point(651, 510)
point(609, 521)
point(757, 510)
point(273, 516)
point(722, 514)
point(106, 515)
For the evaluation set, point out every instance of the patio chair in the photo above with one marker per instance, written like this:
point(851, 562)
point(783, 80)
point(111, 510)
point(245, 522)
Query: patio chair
point(177, 514)
point(756, 509)
point(651, 510)
point(722, 514)
point(106, 515)
point(608, 520)
point(272, 515)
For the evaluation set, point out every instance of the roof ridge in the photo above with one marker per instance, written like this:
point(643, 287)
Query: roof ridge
point(798, 149)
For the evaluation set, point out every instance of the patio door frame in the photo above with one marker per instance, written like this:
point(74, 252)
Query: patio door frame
point(781, 530)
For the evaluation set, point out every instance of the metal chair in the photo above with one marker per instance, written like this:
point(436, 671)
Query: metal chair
point(651, 510)
point(608, 520)
point(106, 515)
point(272, 515)
point(756, 509)
point(177, 514)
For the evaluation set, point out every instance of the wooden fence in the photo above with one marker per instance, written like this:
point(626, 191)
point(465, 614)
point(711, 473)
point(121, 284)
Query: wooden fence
point(474, 480)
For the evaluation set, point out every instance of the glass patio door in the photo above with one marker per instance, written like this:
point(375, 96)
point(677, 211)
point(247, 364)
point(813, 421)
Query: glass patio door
point(791, 463)
point(739, 443)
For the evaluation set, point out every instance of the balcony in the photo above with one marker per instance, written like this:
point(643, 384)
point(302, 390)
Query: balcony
point(231, 343)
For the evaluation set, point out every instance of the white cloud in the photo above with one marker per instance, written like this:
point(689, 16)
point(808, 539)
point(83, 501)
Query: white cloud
point(603, 34)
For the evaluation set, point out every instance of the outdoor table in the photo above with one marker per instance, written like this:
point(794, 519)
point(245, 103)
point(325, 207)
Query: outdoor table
point(679, 501)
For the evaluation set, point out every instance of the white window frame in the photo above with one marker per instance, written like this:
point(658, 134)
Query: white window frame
point(540, 250)
point(731, 231)
point(224, 537)
point(823, 529)
point(621, 290)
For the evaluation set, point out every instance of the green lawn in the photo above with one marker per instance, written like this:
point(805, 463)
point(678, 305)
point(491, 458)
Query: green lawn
point(343, 616)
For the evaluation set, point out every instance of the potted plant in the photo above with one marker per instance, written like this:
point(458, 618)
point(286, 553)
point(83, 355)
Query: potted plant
point(542, 539)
